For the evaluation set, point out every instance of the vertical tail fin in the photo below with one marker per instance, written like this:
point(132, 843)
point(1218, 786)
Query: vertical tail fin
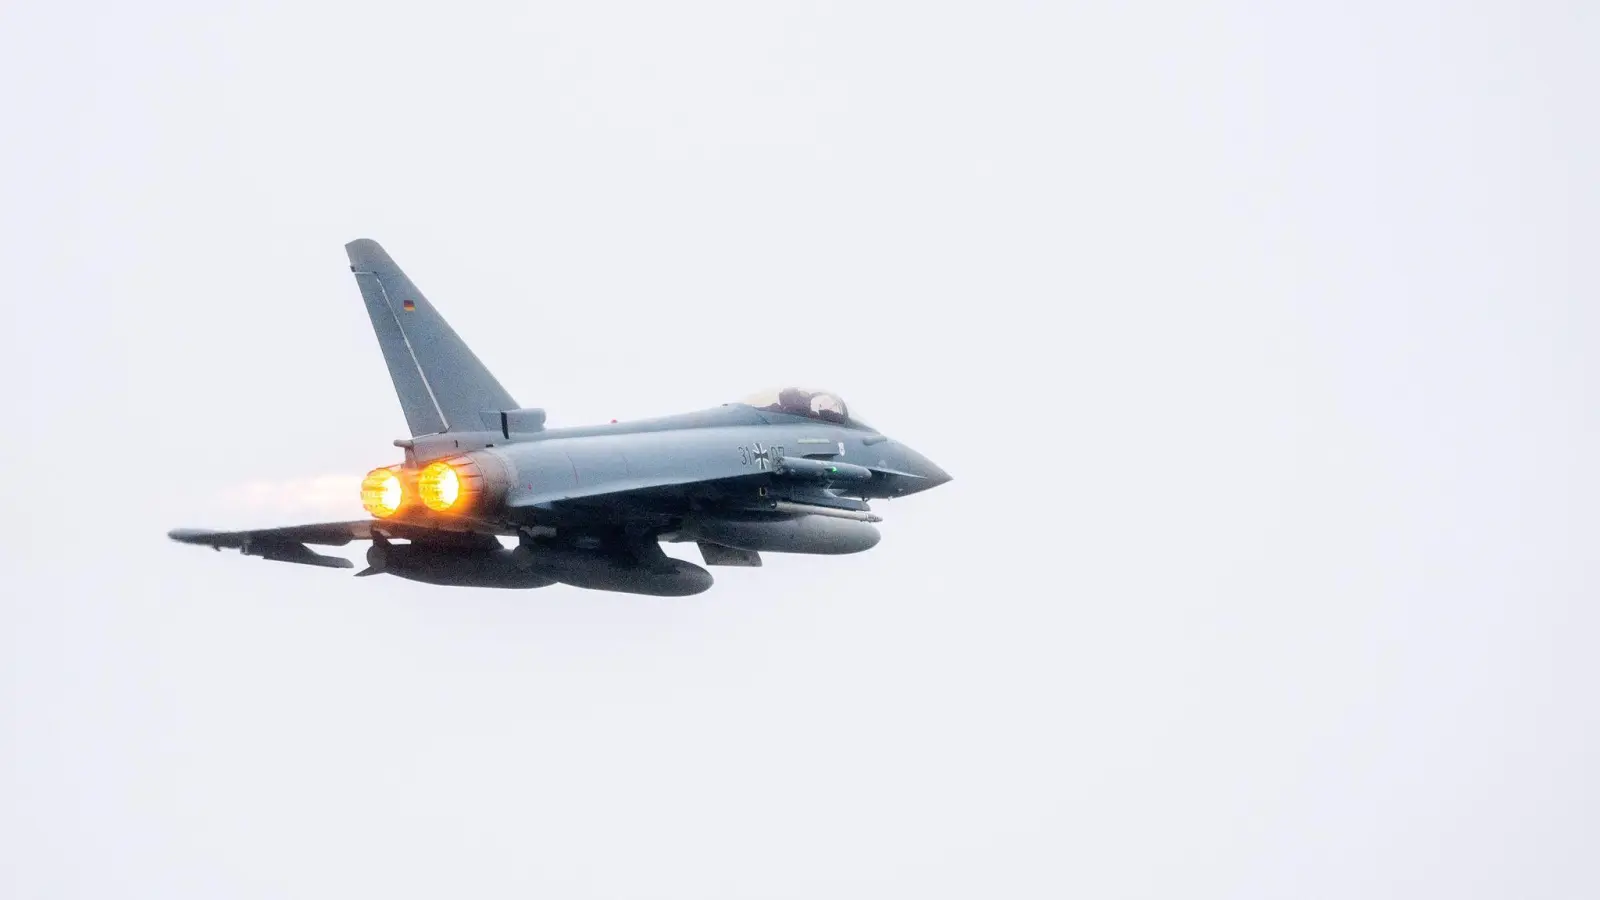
point(441, 384)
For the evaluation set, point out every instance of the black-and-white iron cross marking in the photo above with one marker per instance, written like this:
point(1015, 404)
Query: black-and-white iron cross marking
point(761, 456)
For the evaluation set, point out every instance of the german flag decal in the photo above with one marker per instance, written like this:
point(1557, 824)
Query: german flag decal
point(408, 306)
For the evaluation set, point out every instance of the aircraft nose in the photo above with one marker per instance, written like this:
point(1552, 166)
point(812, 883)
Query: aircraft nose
point(932, 476)
point(899, 470)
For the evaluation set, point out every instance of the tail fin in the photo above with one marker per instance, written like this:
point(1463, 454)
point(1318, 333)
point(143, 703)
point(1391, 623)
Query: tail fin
point(441, 384)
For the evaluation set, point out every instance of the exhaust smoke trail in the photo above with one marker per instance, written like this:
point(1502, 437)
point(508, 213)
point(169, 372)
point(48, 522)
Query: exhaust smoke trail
point(336, 496)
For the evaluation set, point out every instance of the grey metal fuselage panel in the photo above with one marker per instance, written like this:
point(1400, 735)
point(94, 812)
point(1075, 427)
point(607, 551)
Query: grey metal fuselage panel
point(643, 470)
point(646, 466)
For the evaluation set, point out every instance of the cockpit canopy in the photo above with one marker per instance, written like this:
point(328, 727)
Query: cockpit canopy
point(825, 406)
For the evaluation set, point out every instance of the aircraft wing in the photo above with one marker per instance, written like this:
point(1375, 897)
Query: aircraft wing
point(282, 544)
point(333, 534)
point(613, 488)
point(289, 543)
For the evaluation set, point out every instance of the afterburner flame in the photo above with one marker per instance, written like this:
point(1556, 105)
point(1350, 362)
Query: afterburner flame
point(381, 493)
point(439, 487)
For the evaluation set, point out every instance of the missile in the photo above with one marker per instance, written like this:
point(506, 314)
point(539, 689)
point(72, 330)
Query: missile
point(821, 469)
point(787, 534)
point(834, 512)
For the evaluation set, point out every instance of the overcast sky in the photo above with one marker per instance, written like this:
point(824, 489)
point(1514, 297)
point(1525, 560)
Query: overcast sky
point(1260, 339)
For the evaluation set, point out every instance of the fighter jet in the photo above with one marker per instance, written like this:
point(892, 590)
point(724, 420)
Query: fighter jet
point(786, 471)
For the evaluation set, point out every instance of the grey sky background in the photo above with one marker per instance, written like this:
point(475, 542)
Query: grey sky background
point(1260, 339)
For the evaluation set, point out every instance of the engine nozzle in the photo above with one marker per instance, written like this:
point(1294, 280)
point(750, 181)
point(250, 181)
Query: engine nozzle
point(382, 493)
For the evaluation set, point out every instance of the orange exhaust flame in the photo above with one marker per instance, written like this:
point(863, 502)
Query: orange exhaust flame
point(439, 487)
point(382, 493)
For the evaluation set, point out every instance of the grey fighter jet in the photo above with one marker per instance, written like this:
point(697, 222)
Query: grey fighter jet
point(791, 471)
